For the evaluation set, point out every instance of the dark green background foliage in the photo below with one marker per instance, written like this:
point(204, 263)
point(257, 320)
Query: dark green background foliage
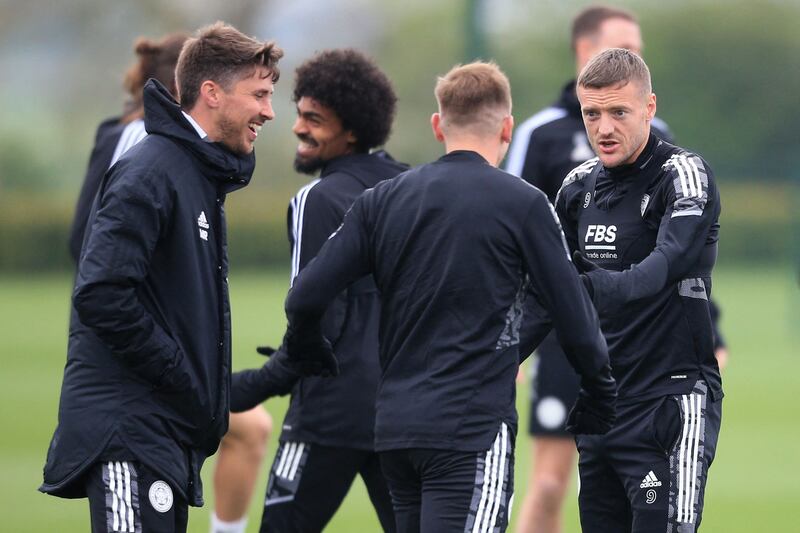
point(725, 74)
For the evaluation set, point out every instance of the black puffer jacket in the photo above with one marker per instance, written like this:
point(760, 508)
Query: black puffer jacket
point(148, 365)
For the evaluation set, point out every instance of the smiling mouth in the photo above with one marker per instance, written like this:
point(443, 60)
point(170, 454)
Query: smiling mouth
point(255, 127)
point(305, 146)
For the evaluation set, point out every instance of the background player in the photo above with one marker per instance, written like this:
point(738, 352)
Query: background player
point(453, 246)
point(647, 213)
point(546, 147)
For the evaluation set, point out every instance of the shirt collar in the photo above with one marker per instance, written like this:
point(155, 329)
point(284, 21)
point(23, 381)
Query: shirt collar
point(200, 131)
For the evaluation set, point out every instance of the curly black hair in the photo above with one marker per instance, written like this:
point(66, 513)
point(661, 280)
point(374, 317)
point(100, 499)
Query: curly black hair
point(352, 85)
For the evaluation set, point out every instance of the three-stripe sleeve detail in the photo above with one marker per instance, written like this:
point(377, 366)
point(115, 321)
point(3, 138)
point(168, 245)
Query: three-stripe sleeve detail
point(690, 180)
point(578, 173)
point(298, 207)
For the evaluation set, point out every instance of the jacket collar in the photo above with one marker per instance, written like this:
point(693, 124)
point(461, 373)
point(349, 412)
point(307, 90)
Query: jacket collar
point(569, 100)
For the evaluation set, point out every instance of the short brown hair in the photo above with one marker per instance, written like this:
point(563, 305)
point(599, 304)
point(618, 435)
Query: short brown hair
point(587, 23)
point(156, 59)
point(615, 66)
point(476, 96)
point(225, 55)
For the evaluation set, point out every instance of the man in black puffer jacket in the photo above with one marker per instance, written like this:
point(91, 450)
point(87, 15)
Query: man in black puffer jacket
point(145, 393)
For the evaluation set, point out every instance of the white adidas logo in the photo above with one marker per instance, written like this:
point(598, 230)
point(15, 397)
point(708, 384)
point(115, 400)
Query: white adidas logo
point(650, 480)
point(202, 222)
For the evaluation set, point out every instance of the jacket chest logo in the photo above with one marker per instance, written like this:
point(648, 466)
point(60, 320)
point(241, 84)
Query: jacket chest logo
point(600, 241)
point(203, 226)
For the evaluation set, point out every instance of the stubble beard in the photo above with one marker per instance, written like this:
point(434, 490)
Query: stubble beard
point(307, 165)
point(231, 136)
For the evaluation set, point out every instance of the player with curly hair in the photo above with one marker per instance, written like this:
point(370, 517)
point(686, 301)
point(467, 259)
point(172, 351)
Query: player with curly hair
point(345, 108)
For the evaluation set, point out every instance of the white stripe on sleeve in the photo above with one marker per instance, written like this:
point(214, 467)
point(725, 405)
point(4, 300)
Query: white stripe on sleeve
point(522, 138)
point(132, 134)
point(298, 214)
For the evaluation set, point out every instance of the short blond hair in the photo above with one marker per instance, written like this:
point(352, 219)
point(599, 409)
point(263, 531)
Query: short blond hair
point(474, 97)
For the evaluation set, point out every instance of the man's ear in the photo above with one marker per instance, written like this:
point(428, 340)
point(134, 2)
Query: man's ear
point(436, 126)
point(210, 93)
point(651, 106)
point(508, 129)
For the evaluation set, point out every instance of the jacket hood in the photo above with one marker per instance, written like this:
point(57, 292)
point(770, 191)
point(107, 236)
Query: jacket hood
point(163, 116)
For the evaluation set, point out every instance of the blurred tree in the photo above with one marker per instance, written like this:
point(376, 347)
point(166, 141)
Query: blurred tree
point(727, 79)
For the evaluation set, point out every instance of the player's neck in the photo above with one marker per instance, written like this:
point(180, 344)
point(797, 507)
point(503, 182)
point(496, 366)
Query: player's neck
point(492, 151)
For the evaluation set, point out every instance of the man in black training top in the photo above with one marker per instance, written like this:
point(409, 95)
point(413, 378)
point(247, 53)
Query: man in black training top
point(453, 247)
point(642, 219)
point(345, 108)
point(144, 398)
point(546, 147)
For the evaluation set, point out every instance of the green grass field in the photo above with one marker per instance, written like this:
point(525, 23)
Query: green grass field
point(754, 480)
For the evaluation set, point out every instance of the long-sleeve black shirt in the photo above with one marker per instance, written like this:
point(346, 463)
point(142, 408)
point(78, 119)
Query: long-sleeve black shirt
point(654, 225)
point(452, 246)
point(338, 411)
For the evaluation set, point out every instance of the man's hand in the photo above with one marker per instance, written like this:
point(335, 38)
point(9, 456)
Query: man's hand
point(311, 353)
point(592, 416)
point(276, 377)
point(585, 266)
point(595, 410)
point(600, 283)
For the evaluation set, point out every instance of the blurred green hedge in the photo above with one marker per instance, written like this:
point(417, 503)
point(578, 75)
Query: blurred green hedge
point(756, 228)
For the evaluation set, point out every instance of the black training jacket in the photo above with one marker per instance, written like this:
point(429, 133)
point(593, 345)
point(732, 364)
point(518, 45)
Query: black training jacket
point(655, 225)
point(148, 362)
point(452, 246)
point(552, 142)
point(338, 412)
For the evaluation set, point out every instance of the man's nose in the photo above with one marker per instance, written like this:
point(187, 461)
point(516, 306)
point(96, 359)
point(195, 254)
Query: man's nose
point(605, 126)
point(299, 126)
point(267, 112)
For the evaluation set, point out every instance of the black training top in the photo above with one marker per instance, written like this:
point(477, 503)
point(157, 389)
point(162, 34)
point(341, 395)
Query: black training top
point(654, 223)
point(452, 246)
point(339, 411)
point(548, 145)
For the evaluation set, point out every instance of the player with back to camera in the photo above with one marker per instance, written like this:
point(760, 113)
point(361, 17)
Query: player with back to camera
point(453, 247)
